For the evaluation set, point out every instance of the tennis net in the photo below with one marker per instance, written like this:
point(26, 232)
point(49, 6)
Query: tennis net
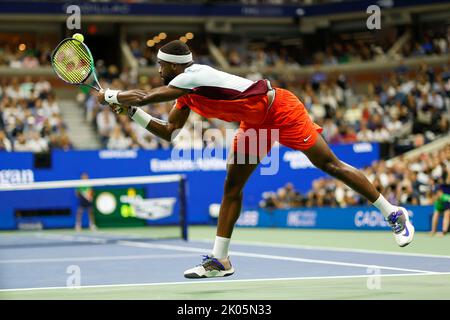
point(155, 202)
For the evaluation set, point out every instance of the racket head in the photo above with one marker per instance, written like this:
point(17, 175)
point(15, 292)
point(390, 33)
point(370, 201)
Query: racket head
point(73, 63)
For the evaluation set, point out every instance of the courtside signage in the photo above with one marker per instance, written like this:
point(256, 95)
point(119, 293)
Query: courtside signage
point(353, 218)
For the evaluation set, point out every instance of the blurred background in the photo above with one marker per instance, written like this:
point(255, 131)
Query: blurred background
point(381, 95)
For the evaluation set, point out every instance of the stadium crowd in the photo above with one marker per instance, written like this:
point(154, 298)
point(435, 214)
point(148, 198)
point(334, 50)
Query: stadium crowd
point(402, 112)
point(339, 49)
point(334, 49)
point(295, 52)
point(406, 181)
point(30, 118)
point(25, 57)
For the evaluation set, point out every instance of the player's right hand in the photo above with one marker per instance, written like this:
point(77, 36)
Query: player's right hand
point(101, 96)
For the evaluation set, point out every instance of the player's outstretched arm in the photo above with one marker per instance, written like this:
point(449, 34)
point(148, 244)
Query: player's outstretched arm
point(163, 129)
point(138, 97)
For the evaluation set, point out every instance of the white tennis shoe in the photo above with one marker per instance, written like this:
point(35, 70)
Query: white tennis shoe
point(401, 226)
point(209, 268)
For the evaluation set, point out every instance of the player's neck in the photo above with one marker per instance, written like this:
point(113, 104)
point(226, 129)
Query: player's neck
point(188, 65)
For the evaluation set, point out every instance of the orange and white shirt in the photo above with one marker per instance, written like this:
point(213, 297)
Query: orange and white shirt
point(217, 94)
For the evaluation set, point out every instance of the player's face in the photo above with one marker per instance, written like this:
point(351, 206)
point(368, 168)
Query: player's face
point(166, 71)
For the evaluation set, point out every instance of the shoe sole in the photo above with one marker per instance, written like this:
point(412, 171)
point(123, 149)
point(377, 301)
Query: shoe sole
point(410, 228)
point(196, 276)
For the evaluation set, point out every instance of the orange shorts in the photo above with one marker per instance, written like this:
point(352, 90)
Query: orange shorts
point(286, 122)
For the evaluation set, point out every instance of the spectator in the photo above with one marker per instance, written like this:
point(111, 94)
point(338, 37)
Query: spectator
point(364, 134)
point(106, 122)
point(37, 143)
point(406, 182)
point(85, 197)
point(29, 114)
point(118, 141)
point(285, 197)
point(441, 206)
point(21, 144)
point(5, 144)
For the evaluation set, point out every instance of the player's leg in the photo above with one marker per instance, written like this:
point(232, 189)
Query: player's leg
point(78, 218)
point(323, 158)
point(434, 222)
point(218, 264)
point(244, 158)
point(92, 224)
point(439, 207)
point(446, 221)
point(230, 208)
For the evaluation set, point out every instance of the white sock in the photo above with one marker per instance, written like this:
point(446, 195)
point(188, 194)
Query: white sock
point(220, 250)
point(384, 206)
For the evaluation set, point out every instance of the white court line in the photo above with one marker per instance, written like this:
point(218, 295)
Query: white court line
point(75, 238)
point(264, 256)
point(101, 258)
point(306, 247)
point(340, 249)
point(244, 254)
point(196, 282)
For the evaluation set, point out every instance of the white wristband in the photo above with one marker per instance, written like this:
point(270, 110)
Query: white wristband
point(111, 96)
point(142, 117)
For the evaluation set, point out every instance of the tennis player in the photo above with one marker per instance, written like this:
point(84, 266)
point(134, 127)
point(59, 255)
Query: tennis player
point(257, 106)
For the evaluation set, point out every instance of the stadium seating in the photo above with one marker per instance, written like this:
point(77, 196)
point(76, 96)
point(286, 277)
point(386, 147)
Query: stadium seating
point(30, 118)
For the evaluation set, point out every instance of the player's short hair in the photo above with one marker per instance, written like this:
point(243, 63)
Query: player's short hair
point(176, 47)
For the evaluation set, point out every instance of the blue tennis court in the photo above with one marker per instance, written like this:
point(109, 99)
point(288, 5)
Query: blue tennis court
point(41, 263)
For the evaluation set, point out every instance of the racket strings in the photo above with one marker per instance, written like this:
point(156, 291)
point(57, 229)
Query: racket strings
point(72, 62)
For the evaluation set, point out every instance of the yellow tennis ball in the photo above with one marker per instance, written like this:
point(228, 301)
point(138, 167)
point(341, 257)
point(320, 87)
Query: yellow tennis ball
point(78, 36)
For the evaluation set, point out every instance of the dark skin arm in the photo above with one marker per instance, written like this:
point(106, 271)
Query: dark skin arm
point(165, 129)
point(140, 97)
point(161, 128)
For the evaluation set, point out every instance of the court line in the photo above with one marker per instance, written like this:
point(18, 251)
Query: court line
point(235, 253)
point(340, 249)
point(226, 281)
point(306, 247)
point(75, 238)
point(264, 256)
point(101, 258)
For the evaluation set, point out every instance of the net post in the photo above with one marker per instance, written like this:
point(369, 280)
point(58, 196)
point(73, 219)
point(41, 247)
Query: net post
point(183, 209)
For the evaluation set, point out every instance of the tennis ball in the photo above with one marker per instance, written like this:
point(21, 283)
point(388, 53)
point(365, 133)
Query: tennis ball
point(78, 36)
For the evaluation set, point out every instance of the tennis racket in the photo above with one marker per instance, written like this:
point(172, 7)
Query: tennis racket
point(73, 63)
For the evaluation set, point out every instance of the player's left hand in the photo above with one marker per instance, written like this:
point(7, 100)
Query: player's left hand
point(119, 109)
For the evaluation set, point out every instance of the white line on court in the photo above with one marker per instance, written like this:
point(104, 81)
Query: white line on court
point(340, 249)
point(101, 258)
point(225, 281)
point(75, 238)
point(264, 256)
point(306, 247)
point(235, 253)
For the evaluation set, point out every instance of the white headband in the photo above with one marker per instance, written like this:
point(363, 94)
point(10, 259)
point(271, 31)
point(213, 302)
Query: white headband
point(172, 58)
